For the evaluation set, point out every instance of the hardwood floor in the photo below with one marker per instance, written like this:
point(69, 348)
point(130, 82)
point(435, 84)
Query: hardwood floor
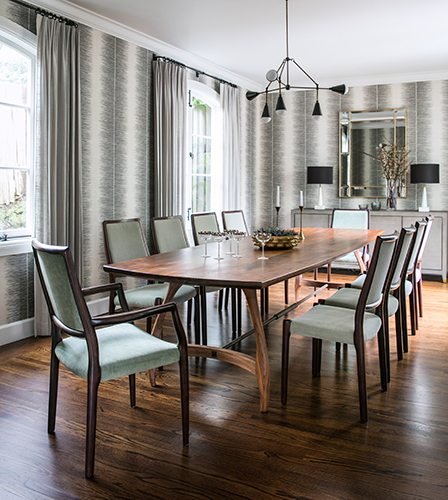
point(314, 448)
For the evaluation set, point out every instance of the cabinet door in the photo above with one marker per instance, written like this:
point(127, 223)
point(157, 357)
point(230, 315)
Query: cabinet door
point(315, 220)
point(389, 224)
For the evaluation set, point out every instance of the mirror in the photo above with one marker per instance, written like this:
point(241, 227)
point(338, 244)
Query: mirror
point(360, 133)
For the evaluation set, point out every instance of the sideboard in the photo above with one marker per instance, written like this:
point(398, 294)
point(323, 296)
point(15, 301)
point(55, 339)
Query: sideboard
point(435, 257)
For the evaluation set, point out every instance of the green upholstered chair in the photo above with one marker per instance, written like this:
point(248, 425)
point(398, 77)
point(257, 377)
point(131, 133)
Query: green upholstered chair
point(418, 268)
point(234, 219)
point(349, 296)
point(207, 221)
point(168, 234)
point(347, 326)
point(101, 348)
point(124, 240)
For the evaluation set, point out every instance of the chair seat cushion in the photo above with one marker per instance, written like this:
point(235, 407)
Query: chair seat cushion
point(336, 324)
point(139, 298)
point(123, 350)
point(408, 288)
point(359, 282)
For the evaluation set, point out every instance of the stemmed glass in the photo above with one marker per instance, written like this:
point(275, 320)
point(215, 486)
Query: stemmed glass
point(230, 233)
point(263, 238)
point(238, 237)
point(219, 238)
point(206, 236)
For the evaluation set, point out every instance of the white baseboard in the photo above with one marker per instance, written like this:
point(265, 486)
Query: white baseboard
point(12, 332)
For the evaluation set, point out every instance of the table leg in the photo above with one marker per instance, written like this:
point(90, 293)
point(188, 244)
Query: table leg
point(157, 328)
point(262, 358)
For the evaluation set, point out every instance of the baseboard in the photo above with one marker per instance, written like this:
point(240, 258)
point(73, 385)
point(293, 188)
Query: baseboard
point(12, 332)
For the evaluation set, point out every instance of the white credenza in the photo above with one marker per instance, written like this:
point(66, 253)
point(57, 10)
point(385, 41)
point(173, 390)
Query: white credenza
point(435, 258)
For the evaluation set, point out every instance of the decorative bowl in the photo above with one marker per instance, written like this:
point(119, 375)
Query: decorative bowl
point(363, 206)
point(279, 242)
point(376, 205)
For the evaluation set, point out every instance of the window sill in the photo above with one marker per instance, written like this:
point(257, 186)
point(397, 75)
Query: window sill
point(15, 246)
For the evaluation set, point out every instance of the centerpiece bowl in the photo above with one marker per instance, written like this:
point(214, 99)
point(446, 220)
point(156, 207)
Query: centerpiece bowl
point(281, 239)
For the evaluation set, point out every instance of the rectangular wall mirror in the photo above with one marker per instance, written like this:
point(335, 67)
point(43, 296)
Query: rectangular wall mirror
point(360, 133)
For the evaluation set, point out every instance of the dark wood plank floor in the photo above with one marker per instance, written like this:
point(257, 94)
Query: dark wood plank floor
point(314, 448)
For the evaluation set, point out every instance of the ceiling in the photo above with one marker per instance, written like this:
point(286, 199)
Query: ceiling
point(356, 42)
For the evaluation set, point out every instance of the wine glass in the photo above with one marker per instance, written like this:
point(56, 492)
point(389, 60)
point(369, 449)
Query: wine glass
point(206, 236)
point(238, 237)
point(230, 233)
point(263, 238)
point(219, 238)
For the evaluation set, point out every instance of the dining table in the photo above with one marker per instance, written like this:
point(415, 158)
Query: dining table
point(319, 247)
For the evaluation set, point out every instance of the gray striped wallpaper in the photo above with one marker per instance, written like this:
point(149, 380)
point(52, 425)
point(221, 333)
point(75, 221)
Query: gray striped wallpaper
point(117, 144)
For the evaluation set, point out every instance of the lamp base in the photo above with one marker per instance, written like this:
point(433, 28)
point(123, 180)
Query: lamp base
point(319, 207)
point(423, 209)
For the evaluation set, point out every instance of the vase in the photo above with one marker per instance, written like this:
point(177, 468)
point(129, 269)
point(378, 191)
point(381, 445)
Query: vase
point(391, 194)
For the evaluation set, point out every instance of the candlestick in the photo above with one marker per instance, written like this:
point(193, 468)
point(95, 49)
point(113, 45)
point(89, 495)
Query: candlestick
point(278, 197)
point(278, 210)
point(301, 235)
point(301, 199)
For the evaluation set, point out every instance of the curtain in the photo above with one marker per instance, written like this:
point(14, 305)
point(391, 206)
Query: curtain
point(170, 95)
point(58, 169)
point(231, 147)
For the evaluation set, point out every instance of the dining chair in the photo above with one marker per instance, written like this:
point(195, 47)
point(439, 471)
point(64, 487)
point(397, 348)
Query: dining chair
point(418, 270)
point(346, 218)
point(169, 234)
point(348, 296)
point(124, 240)
point(208, 221)
point(348, 326)
point(234, 219)
point(101, 348)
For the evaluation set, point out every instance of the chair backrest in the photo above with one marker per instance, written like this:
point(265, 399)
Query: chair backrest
point(124, 240)
point(350, 219)
point(168, 233)
point(234, 219)
point(429, 222)
point(61, 287)
point(405, 244)
point(206, 221)
point(380, 268)
point(421, 228)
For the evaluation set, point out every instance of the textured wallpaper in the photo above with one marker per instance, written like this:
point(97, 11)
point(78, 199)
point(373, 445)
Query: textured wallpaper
point(117, 147)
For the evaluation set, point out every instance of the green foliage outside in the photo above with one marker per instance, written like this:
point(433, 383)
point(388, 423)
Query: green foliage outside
point(13, 216)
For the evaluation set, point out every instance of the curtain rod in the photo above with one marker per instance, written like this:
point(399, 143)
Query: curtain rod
point(198, 72)
point(46, 13)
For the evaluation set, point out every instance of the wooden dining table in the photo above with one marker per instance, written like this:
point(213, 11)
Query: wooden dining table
point(186, 266)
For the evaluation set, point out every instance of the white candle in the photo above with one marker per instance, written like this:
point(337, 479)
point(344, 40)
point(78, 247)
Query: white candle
point(301, 199)
point(278, 197)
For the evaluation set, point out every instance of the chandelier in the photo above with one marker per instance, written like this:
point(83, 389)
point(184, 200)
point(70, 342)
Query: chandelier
point(278, 76)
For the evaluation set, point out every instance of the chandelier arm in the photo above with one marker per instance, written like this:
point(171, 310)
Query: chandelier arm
point(305, 73)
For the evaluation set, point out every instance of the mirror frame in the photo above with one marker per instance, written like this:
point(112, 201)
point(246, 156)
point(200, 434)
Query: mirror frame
point(347, 189)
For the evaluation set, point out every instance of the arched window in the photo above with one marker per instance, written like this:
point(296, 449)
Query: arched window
point(17, 130)
point(204, 149)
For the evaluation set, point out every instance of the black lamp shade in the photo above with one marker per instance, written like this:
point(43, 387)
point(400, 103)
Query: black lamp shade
point(251, 95)
point(425, 173)
point(281, 108)
point(339, 89)
point(317, 111)
point(319, 175)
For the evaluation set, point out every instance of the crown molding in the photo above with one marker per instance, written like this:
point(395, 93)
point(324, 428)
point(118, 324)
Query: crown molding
point(101, 23)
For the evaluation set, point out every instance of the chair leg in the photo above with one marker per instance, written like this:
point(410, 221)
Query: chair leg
point(262, 297)
point(285, 359)
point(132, 389)
point(226, 300)
point(399, 333)
point(234, 312)
point(420, 297)
point(203, 294)
point(266, 300)
point(286, 291)
point(362, 384)
point(316, 356)
point(412, 312)
point(220, 299)
point(415, 299)
point(404, 321)
point(92, 403)
point(338, 346)
point(197, 319)
point(240, 307)
point(189, 311)
point(382, 351)
point(53, 393)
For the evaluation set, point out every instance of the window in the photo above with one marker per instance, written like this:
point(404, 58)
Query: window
point(204, 164)
point(17, 126)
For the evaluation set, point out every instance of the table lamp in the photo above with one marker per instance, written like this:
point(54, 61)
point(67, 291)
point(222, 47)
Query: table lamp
point(320, 175)
point(425, 173)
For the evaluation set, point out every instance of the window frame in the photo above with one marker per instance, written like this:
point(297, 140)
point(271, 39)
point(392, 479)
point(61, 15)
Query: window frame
point(212, 99)
point(25, 42)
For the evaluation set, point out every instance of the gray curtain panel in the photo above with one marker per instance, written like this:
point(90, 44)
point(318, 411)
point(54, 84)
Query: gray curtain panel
point(58, 170)
point(170, 110)
point(230, 147)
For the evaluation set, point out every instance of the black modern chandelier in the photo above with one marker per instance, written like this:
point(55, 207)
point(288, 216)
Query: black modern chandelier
point(278, 75)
